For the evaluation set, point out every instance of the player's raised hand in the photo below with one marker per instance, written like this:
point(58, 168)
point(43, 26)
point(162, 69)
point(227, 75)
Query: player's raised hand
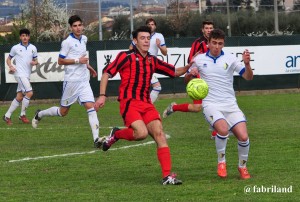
point(158, 43)
point(83, 59)
point(246, 57)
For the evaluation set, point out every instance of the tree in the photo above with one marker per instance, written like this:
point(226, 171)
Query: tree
point(121, 28)
point(208, 6)
point(297, 5)
point(178, 17)
point(47, 21)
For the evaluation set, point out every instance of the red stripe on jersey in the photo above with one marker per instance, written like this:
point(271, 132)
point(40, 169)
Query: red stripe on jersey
point(136, 72)
point(199, 45)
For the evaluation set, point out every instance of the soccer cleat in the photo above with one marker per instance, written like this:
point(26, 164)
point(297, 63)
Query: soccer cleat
point(24, 119)
point(171, 179)
point(110, 140)
point(98, 142)
point(169, 110)
point(36, 119)
point(7, 120)
point(244, 174)
point(222, 172)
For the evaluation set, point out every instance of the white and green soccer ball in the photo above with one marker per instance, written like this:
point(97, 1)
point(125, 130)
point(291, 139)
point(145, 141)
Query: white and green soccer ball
point(197, 89)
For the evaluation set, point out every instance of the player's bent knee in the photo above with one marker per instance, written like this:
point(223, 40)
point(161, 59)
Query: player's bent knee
point(141, 134)
point(223, 132)
point(243, 138)
point(29, 94)
point(197, 108)
point(64, 112)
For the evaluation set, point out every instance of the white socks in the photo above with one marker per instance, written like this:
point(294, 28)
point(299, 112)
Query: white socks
point(221, 142)
point(94, 122)
point(13, 106)
point(154, 93)
point(243, 150)
point(52, 111)
point(25, 104)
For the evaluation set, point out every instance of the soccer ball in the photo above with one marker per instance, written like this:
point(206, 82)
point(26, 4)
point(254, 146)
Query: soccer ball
point(197, 89)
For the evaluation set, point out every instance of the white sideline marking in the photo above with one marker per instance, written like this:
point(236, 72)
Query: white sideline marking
point(82, 153)
point(10, 128)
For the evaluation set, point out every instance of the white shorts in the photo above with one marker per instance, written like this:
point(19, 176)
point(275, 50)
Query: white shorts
point(24, 85)
point(232, 115)
point(154, 79)
point(76, 91)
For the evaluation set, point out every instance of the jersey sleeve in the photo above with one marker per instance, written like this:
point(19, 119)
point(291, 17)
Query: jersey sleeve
point(162, 40)
point(193, 51)
point(164, 68)
point(64, 49)
point(12, 52)
point(35, 54)
point(132, 43)
point(113, 68)
point(238, 67)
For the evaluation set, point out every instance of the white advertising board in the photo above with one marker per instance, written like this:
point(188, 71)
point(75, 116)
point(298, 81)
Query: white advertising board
point(265, 60)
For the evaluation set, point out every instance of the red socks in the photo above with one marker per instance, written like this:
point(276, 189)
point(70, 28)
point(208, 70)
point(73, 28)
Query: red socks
point(126, 134)
point(181, 107)
point(164, 157)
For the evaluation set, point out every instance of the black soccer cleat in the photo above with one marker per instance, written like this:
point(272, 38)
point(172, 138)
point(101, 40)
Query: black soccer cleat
point(171, 180)
point(110, 140)
point(98, 142)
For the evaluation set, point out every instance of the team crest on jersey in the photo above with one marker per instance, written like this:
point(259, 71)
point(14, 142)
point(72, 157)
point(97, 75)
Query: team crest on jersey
point(149, 59)
point(211, 118)
point(225, 66)
point(76, 45)
point(204, 65)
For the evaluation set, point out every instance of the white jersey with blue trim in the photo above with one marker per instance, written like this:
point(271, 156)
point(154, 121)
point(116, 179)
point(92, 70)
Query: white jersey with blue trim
point(153, 49)
point(218, 73)
point(73, 48)
point(23, 56)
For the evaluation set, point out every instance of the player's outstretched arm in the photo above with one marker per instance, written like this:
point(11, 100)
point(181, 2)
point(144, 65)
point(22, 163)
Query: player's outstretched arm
point(102, 97)
point(182, 70)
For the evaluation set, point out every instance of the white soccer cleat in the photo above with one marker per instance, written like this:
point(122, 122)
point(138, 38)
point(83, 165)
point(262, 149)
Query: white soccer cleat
point(169, 110)
point(36, 119)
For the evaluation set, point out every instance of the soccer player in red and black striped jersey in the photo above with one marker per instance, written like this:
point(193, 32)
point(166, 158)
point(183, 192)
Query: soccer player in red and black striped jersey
point(198, 46)
point(136, 68)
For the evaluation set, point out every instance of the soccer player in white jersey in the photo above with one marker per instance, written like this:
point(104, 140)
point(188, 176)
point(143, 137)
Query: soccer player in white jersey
point(220, 106)
point(76, 86)
point(25, 55)
point(157, 42)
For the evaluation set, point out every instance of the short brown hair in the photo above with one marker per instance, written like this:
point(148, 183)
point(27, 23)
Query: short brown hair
point(207, 22)
point(140, 29)
point(216, 34)
point(150, 20)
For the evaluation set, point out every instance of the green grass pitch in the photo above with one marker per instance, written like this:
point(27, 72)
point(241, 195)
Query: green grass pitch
point(133, 173)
